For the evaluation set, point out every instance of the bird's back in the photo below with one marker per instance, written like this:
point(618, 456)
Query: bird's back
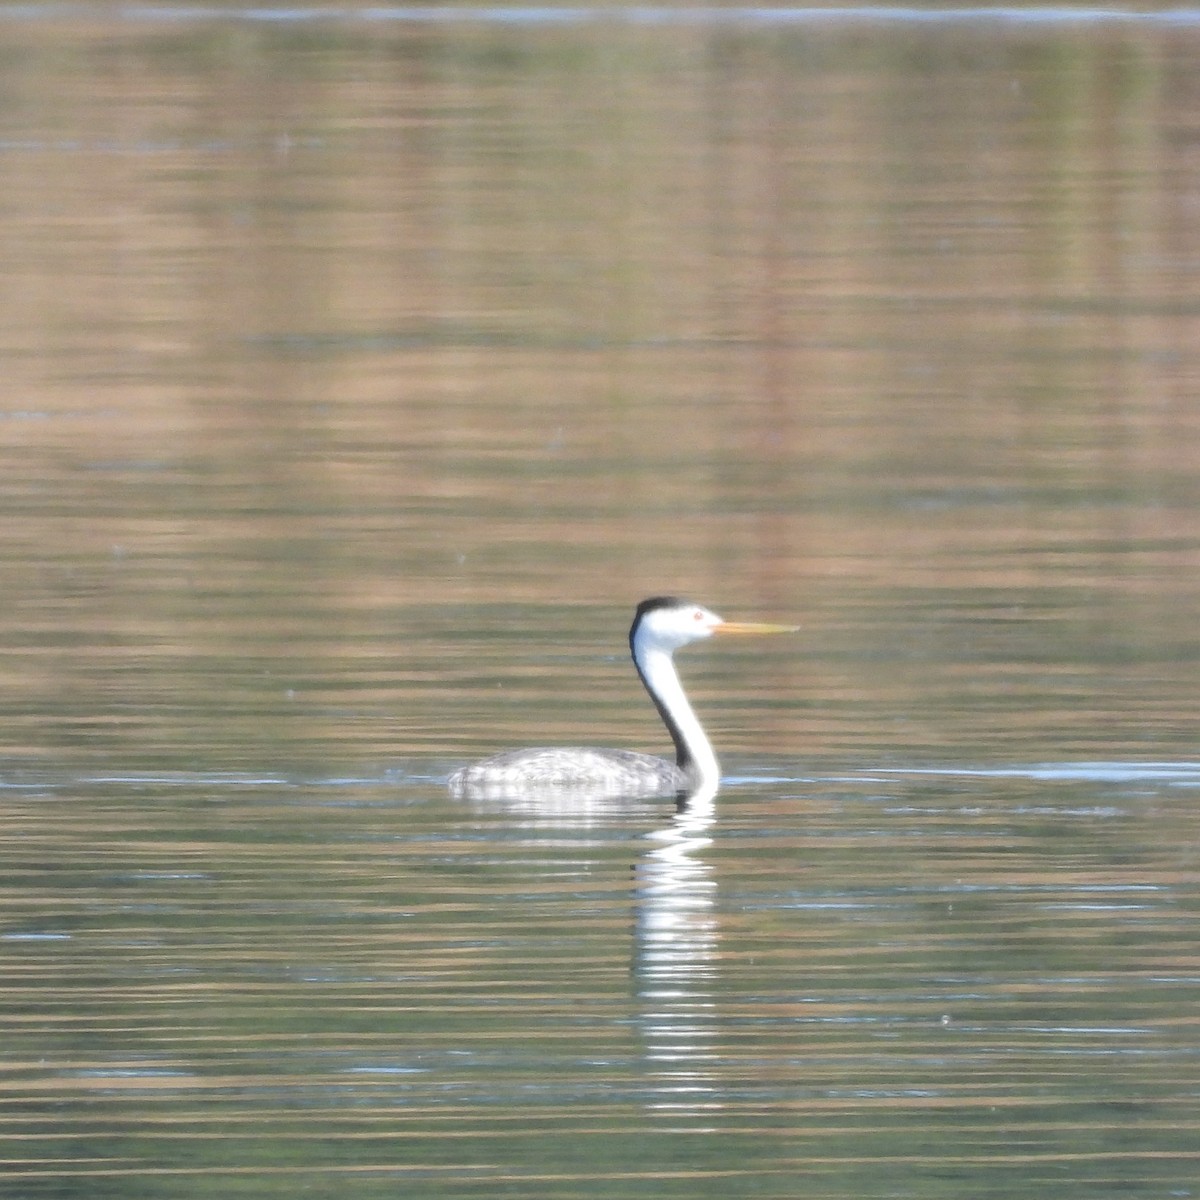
point(609, 773)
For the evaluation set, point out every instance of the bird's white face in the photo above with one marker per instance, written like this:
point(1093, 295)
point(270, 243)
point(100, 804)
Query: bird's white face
point(675, 627)
point(670, 627)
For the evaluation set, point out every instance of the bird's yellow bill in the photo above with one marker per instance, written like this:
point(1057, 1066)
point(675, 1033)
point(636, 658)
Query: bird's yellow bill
point(753, 627)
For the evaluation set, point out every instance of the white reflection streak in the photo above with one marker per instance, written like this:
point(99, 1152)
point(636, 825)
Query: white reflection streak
point(675, 956)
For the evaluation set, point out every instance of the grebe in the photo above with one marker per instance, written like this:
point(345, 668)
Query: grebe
point(661, 626)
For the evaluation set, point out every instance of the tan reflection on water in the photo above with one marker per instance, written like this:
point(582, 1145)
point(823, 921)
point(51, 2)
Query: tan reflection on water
point(360, 375)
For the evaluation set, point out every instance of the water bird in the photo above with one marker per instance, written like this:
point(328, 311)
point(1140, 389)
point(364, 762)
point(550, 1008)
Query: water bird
point(661, 625)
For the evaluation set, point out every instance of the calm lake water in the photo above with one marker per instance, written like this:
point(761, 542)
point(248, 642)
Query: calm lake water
point(365, 367)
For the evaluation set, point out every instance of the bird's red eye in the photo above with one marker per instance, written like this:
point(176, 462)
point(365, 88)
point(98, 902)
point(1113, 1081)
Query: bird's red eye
point(697, 615)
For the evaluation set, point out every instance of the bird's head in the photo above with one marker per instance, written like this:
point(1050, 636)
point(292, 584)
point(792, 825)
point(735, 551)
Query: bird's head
point(666, 623)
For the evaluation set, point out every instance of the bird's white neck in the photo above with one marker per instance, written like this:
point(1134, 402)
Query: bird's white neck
point(693, 752)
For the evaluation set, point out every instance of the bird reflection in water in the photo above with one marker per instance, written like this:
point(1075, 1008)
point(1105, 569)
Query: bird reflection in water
point(675, 965)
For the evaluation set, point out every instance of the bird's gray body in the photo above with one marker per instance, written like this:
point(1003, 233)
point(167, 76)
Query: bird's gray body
point(602, 773)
